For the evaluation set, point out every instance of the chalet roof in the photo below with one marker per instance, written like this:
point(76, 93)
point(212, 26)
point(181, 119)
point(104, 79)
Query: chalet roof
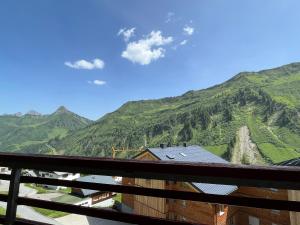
point(194, 154)
point(291, 162)
point(95, 179)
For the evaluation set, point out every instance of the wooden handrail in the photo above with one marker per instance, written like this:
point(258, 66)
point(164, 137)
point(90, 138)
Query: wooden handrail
point(172, 194)
point(256, 176)
point(217, 173)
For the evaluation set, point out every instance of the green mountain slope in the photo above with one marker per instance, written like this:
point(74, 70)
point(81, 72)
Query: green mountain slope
point(27, 133)
point(266, 102)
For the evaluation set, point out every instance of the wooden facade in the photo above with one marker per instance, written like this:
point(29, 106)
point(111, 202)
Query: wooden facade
point(100, 197)
point(279, 177)
point(294, 216)
point(94, 198)
point(182, 210)
point(265, 216)
point(198, 212)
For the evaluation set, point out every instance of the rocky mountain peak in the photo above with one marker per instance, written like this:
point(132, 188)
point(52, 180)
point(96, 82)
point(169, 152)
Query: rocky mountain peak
point(33, 113)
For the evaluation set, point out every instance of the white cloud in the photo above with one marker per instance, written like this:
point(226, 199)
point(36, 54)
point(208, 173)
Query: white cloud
point(97, 82)
point(127, 33)
point(183, 42)
point(188, 30)
point(169, 17)
point(143, 51)
point(86, 65)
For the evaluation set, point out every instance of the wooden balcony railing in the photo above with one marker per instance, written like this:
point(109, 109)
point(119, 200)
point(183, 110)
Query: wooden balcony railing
point(254, 176)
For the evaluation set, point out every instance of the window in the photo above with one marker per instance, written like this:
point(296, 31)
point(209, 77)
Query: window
point(170, 182)
point(169, 156)
point(275, 211)
point(274, 189)
point(148, 182)
point(170, 201)
point(253, 220)
point(171, 216)
point(221, 210)
point(231, 221)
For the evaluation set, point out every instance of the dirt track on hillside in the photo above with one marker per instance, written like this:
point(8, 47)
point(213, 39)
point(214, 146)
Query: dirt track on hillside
point(245, 151)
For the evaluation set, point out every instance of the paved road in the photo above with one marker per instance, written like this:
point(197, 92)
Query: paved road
point(74, 219)
point(24, 191)
point(47, 196)
point(25, 211)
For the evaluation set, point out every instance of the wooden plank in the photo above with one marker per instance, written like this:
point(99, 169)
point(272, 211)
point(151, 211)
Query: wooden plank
point(4, 177)
point(173, 194)
point(2, 219)
point(12, 198)
point(256, 176)
point(3, 198)
point(29, 222)
point(99, 213)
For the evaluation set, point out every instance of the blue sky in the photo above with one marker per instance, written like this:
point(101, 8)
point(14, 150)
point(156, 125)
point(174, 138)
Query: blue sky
point(69, 53)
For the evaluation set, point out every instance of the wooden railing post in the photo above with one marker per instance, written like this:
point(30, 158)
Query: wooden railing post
point(14, 186)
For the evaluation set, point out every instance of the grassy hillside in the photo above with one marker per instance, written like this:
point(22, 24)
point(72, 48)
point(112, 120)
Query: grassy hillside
point(267, 102)
point(29, 132)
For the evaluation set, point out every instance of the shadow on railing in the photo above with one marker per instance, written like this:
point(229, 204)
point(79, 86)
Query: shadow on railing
point(253, 176)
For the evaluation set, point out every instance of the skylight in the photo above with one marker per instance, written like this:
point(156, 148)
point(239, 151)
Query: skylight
point(170, 156)
point(183, 154)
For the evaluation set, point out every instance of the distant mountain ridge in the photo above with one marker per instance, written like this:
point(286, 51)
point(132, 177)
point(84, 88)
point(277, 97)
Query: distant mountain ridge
point(25, 132)
point(33, 113)
point(267, 103)
point(252, 118)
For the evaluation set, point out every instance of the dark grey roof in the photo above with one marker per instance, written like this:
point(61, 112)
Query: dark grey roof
point(95, 179)
point(195, 154)
point(291, 162)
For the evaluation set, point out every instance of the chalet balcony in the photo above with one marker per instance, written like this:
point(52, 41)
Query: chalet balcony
point(277, 177)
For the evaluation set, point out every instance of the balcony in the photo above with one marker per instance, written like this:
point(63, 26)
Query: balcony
point(278, 177)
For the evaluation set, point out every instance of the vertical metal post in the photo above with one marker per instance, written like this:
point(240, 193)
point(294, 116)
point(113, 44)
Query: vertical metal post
point(14, 186)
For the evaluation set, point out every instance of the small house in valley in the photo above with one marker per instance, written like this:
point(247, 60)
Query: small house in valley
point(5, 170)
point(86, 197)
point(57, 175)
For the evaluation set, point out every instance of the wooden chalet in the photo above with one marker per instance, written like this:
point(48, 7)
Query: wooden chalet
point(92, 197)
point(200, 212)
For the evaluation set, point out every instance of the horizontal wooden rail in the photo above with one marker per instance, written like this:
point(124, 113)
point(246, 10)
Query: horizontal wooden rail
point(4, 177)
point(172, 194)
point(99, 213)
point(3, 198)
point(256, 176)
point(2, 219)
point(29, 222)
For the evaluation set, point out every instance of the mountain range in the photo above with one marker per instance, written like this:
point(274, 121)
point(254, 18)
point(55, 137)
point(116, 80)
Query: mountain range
point(18, 132)
point(253, 118)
